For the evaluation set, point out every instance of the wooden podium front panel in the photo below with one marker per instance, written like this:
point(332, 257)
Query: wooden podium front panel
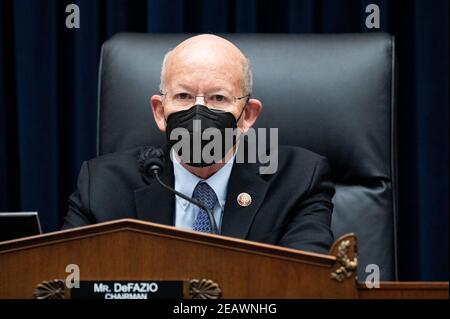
point(131, 250)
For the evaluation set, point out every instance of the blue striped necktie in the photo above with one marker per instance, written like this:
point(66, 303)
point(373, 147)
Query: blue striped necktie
point(205, 195)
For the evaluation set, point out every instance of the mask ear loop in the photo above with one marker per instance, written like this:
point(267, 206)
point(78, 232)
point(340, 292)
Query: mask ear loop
point(239, 117)
point(163, 97)
point(243, 109)
point(165, 119)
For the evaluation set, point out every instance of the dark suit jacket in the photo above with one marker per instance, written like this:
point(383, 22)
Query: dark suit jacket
point(290, 208)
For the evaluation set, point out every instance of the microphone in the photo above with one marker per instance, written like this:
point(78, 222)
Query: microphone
point(151, 163)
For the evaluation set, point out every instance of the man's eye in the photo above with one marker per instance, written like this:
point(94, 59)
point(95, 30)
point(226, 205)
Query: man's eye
point(182, 96)
point(218, 98)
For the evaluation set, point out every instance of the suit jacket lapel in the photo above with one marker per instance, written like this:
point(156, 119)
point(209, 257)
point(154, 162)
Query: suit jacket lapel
point(153, 202)
point(237, 220)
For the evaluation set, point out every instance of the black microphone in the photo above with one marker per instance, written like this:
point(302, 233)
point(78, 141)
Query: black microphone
point(151, 162)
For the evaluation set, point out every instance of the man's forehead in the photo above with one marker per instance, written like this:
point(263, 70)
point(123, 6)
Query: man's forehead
point(207, 42)
point(203, 62)
point(206, 51)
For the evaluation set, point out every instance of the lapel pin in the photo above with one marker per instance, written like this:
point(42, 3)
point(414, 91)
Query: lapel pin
point(244, 199)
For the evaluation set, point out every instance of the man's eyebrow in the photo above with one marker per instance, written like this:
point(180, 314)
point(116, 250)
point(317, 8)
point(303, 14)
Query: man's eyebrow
point(219, 89)
point(215, 89)
point(183, 86)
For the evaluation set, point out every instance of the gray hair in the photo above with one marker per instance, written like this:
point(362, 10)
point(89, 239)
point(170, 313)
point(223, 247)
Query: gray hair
point(247, 70)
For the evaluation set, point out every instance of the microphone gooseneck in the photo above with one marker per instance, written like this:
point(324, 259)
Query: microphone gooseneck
point(151, 161)
point(197, 203)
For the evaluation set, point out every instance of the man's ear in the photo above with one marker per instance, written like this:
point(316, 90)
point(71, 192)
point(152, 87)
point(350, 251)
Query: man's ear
point(251, 113)
point(158, 112)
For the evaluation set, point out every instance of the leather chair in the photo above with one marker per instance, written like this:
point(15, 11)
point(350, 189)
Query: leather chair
point(332, 94)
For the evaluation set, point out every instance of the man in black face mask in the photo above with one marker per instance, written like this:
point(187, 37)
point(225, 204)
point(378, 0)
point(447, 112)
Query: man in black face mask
point(206, 84)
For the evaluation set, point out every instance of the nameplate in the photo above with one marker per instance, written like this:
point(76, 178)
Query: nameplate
point(128, 290)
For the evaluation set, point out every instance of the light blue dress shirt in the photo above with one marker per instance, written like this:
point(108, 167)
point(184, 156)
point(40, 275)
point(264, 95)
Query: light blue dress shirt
point(185, 182)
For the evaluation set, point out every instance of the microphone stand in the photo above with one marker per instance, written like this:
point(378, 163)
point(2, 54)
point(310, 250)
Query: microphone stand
point(155, 169)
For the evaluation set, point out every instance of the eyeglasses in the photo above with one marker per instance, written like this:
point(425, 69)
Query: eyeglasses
point(217, 101)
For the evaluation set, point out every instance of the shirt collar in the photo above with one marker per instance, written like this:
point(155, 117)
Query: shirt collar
point(185, 181)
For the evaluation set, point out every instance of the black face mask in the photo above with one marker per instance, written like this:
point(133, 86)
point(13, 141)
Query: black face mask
point(207, 118)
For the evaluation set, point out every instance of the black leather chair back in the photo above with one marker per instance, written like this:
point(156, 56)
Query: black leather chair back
point(333, 94)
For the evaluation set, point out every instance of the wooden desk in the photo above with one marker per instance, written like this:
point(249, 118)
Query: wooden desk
point(137, 250)
point(405, 290)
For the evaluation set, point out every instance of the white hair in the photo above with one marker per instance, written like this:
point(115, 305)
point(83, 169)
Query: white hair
point(247, 71)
